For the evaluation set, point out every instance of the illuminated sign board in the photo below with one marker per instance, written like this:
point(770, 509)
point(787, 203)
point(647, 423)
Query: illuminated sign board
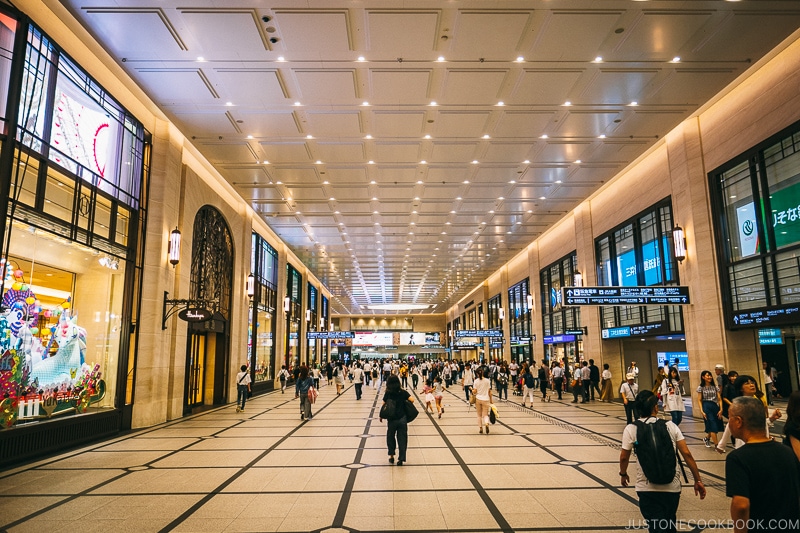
point(557, 339)
point(195, 314)
point(675, 295)
point(460, 333)
point(784, 315)
point(311, 335)
point(770, 336)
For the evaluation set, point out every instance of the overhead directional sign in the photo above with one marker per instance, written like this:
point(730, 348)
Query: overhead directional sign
point(311, 335)
point(676, 295)
point(460, 333)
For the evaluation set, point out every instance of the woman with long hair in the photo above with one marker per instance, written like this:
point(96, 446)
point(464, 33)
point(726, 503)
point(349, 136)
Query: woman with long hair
point(671, 396)
point(606, 388)
point(746, 386)
point(303, 383)
point(467, 380)
point(708, 394)
point(397, 430)
point(483, 399)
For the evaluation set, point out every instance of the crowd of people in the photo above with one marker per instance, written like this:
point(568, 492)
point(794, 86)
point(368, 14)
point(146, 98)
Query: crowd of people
point(762, 475)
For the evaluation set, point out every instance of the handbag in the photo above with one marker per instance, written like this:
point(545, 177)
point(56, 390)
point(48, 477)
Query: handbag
point(411, 411)
point(473, 397)
point(312, 394)
point(492, 414)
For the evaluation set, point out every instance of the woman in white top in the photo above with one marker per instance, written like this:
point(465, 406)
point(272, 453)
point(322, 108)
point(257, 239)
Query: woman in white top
point(671, 396)
point(606, 389)
point(467, 380)
point(483, 399)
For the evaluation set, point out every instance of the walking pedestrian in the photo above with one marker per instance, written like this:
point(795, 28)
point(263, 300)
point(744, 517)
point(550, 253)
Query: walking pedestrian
point(544, 379)
point(708, 396)
point(358, 379)
point(629, 389)
point(658, 503)
point(558, 378)
point(397, 430)
point(438, 393)
point(483, 399)
point(467, 381)
point(502, 382)
point(586, 381)
point(301, 386)
point(606, 387)
point(242, 388)
point(594, 378)
point(283, 376)
point(671, 396)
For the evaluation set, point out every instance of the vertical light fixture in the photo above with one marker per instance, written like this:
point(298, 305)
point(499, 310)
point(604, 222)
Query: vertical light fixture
point(501, 313)
point(251, 285)
point(174, 247)
point(578, 279)
point(287, 303)
point(679, 239)
point(308, 315)
point(530, 302)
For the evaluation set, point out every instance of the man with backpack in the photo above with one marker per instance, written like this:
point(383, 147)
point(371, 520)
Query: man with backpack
point(658, 475)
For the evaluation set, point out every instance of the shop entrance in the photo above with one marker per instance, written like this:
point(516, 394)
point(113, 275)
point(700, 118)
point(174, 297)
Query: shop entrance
point(783, 358)
point(208, 343)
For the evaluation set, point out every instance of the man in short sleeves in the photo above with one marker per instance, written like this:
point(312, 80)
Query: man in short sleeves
point(763, 476)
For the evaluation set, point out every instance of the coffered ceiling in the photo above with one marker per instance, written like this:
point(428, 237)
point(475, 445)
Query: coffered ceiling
point(406, 150)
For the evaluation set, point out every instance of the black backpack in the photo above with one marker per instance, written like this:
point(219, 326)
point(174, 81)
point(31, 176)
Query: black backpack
point(655, 452)
point(529, 380)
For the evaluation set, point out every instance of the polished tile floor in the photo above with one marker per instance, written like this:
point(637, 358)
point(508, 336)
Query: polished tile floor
point(551, 468)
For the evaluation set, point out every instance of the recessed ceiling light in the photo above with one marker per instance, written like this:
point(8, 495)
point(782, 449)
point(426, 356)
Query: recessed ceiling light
point(326, 182)
point(331, 199)
point(527, 161)
point(249, 136)
point(676, 59)
point(634, 103)
point(558, 181)
point(201, 58)
point(361, 58)
point(365, 103)
point(474, 161)
point(266, 162)
point(423, 162)
point(542, 198)
point(466, 182)
point(501, 198)
point(520, 59)
point(370, 162)
point(298, 104)
point(373, 182)
point(427, 137)
point(512, 182)
point(368, 136)
point(440, 59)
point(486, 136)
point(603, 136)
point(567, 103)
point(433, 103)
point(279, 183)
point(309, 136)
point(228, 104)
point(281, 58)
point(578, 161)
point(319, 162)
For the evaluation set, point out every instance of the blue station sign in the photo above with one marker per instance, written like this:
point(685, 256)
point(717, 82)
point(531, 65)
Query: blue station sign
point(675, 295)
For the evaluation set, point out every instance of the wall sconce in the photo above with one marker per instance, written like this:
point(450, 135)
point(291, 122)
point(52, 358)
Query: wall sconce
point(109, 262)
point(308, 315)
point(577, 279)
point(287, 304)
point(501, 313)
point(680, 243)
point(530, 302)
point(251, 285)
point(321, 323)
point(174, 247)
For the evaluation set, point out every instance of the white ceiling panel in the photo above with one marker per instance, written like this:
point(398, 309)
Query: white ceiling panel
point(286, 152)
point(452, 152)
point(305, 30)
point(584, 30)
point(397, 152)
point(127, 33)
point(325, 86)
point(174, 86)
point(224, 32)
point(398, 124)
point(344, 124)
point(747, 34)
point(461, 124)
point(464, 87)
point(491, 34)
point(275, 125)
point(228, 152)
point(586, 123)
point(209, 125)
point(563, 151)
point(545, 86)
point(523, 124)
point(648, 123)
point(340, 175)
point(661, 34)
point(514, 153)
point(404, 34)
point(340, 152)
point(399, 87)
point(293, 174)
point(256, 87)
point(687, 86)
point(616, 86)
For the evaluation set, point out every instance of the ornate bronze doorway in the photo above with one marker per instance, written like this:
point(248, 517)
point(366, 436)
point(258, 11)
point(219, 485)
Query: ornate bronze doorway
point(208, 343)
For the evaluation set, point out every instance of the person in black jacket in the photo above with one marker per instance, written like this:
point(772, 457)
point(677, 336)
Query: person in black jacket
point(397, 432)
point(594, 378)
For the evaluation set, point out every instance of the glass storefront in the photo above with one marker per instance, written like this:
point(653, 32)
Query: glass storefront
point(292, 309)
point(312, 325)
point(640, 253)
point(519, 322)
point(261, 320)
point(558, 320)
point(757, 206)
point(73, 173)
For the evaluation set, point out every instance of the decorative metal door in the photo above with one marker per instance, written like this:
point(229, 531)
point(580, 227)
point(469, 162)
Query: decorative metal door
point(207, 353)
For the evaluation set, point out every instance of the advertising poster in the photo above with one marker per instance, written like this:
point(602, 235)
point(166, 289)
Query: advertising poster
point(746, 224)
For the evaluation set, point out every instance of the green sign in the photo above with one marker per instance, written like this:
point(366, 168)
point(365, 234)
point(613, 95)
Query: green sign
point(786, 215)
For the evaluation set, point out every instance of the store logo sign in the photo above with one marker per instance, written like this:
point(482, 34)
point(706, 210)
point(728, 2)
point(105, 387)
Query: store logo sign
point(195, 314)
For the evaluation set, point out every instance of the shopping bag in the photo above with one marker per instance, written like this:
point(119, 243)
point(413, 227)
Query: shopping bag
point(493, 414)
point(312, 394)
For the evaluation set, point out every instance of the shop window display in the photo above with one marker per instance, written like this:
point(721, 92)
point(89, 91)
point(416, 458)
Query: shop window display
point(59, 328)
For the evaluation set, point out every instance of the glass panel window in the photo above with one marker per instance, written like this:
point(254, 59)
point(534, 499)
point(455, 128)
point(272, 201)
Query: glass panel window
point(28, 179)
point(788, 267)
point(8, 27)
point(122, 226)
point(60, 195)
point(102, 217)
point(740, 213)
point(782, 162)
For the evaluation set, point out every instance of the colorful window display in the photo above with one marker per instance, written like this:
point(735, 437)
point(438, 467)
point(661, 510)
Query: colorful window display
point(59, 328)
